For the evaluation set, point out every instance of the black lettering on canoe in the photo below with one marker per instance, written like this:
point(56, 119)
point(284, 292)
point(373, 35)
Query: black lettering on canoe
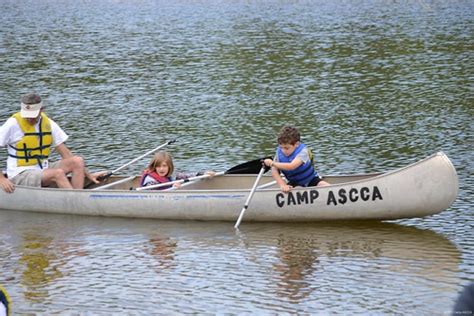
point(331, 198)
point(353, 195)
point(364, 193)
point(313, 195)
point(376, 194)
point(291, 198)
point(302, 197)
point(280, 199)
point(342, 196)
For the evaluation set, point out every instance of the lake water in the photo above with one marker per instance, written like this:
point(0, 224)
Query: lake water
point(372, 85)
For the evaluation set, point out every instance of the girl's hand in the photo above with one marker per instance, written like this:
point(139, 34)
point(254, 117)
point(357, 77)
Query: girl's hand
point(210, 173)
point(177, 185)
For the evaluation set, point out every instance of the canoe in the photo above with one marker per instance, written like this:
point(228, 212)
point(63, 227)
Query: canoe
point(420, 189)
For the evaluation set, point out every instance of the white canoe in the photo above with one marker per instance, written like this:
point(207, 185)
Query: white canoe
point(424, 188)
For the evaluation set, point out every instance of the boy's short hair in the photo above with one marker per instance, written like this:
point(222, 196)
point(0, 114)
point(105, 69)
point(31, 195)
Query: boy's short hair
point(289, 135)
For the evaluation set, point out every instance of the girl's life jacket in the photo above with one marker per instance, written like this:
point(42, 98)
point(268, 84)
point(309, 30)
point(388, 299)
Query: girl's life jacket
point(157, 179)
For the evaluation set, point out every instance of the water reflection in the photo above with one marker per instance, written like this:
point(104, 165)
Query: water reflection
point(163, 249)
point(187, 263)
point(41, 259)
point(298, 260)
point(306, 255)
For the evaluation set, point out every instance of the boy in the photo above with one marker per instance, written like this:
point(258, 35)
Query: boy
point(294, 160)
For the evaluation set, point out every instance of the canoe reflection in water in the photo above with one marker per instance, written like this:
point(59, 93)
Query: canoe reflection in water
point(320, 257)
point(57, 258)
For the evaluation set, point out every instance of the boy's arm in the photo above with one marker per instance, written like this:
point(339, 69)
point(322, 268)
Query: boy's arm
point(284, 165)
point(280, 181)
point(276, 175)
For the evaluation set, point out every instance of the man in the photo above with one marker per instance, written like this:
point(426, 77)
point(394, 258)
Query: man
point(30, 136)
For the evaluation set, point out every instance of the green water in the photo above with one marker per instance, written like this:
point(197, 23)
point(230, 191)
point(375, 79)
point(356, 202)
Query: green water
point(372, 85)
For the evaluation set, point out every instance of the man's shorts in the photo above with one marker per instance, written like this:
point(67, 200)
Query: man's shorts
point(31, 178)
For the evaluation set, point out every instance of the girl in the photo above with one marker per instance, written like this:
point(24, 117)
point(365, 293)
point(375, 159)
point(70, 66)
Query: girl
point(160, 170)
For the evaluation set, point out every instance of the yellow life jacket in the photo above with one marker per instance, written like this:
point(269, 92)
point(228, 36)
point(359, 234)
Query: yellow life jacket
point(5, 299)
point(34, 147)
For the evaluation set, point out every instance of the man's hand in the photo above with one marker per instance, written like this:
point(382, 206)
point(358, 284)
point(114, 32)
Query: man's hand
point(6, 185)
point(93, 176)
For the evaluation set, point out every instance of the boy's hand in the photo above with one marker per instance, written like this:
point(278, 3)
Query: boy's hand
point(286, 188)
point(268, 162)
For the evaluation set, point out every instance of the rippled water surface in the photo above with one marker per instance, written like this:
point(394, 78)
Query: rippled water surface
point(372, 85)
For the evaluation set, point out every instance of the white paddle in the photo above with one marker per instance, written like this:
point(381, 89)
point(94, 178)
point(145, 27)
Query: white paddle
point(249, 167)
point(246, 205)
point(107, 175)
point(165, 184)
point(138, 158)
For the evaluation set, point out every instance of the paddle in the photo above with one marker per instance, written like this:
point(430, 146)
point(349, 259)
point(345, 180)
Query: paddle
point(107, 175)
point(165, 184)
point(249, 167)
point(246, 205)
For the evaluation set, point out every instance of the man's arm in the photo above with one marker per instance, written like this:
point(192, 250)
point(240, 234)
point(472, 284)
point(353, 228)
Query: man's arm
point(63, 151)
point(5, 131)
point(5, 184)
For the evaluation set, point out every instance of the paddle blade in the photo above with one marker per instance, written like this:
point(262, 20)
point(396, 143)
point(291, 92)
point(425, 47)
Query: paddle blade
point(249, 167)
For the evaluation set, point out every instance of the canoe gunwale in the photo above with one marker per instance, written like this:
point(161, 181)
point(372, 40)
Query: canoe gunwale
point(367, 177)
point(392, 195)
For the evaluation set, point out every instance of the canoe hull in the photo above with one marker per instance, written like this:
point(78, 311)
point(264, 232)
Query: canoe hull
point(421, 189)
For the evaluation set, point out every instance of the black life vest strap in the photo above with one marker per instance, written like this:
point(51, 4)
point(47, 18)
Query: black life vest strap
point(29, 157)
point(23, 149)
point(38, 133)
